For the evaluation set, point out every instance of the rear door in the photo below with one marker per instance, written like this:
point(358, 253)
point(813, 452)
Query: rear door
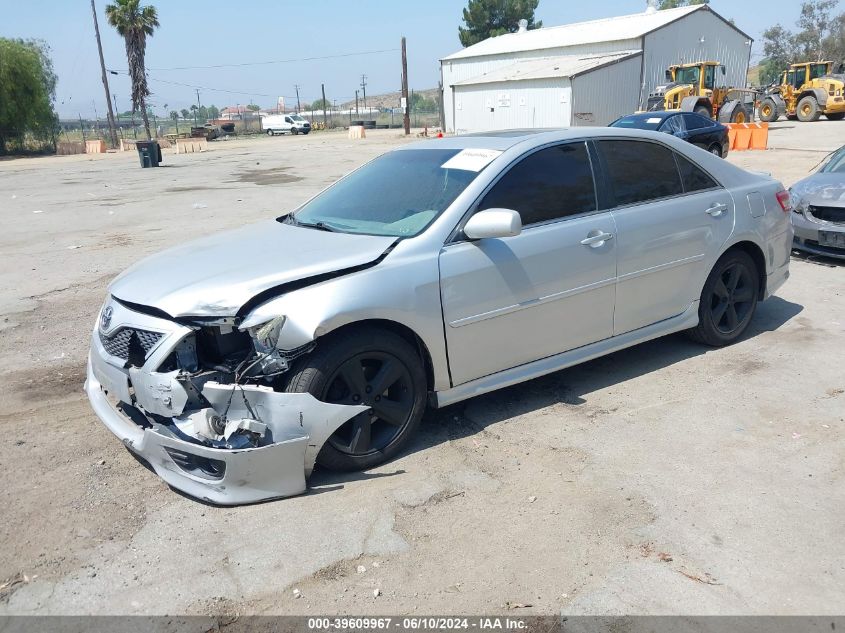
point(510, 301)
point(672, 219)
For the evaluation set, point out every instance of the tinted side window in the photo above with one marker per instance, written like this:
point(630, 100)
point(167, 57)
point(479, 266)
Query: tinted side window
point(640, 171)
point(549, 184)
point(673, 124)
point(696, 122)
point(694, 178)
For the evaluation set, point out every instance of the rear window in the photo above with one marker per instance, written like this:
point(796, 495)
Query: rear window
point(694, 178)
point(638, 122)
point(640, 171)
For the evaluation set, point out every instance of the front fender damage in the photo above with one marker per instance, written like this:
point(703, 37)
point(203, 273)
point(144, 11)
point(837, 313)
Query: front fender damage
point(243, 443)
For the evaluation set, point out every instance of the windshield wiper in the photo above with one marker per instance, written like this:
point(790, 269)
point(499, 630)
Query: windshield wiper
point(322, 226)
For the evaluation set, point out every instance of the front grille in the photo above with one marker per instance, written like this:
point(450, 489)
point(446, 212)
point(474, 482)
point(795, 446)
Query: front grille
point(836, 215)
point(118, 343)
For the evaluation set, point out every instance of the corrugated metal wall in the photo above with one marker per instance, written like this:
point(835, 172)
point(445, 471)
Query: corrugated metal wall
point(680, 42)
point(459, 70)
point(603, 95)
point(677, 42)
point(514, 104)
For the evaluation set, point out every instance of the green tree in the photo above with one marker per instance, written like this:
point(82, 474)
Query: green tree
point(320, 104)
point(185, 113)
point(27, 91)
point(135, 23)
point(489, 18)
point(213, 112)
point(674, 4)
point(421, 103)
point(820, 36)
point(253, 107)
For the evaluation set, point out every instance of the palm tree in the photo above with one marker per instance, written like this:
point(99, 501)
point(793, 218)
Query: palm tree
point(174, 116)
point(135, 23)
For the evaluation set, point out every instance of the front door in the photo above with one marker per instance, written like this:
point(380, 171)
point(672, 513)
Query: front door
point(510, 301)
point(672, 219)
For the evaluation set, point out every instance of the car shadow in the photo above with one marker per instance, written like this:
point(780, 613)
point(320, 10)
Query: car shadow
point(573, 385)
point(819, 260)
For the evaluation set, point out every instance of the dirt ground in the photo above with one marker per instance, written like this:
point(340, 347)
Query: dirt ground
point(668, 478)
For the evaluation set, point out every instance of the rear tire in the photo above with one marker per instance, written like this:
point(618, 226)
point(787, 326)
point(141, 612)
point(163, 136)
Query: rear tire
point(365, 366)
point(270, 133)
point(808, 110)
point(728, 300)
point(294, 131)
point(835, 116)
point(769, 111)
point(715, 149)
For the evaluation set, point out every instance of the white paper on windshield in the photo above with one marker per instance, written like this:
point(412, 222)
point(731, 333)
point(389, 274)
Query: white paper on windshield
point(471, 159)
point(655, 119)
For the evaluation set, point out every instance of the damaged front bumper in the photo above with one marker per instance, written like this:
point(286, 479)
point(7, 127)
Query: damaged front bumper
point(151, 413)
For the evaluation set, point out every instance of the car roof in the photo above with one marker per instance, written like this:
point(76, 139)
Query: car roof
point(504, 140)
point(657, 114)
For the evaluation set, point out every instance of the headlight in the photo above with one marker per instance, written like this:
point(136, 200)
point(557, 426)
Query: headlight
point(266, 335)
point(797, 203)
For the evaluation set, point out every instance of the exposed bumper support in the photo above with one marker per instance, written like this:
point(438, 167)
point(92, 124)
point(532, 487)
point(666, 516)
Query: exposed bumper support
point(300, 424)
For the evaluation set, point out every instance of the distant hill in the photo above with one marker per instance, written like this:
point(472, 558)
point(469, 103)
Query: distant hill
point(753, 75)
point(388, 100)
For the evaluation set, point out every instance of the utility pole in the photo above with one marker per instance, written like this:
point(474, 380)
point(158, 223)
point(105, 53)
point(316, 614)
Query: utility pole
point(364, 88)
point(407, 117)
point(112, 131)
point(117, 115)
point(356, 103)
point(325, 104)
point(199, 105)
point(298, 107)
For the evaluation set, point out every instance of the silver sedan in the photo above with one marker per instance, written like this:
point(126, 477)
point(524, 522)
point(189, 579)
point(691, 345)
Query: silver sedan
point(434, 273)
point(819, 205)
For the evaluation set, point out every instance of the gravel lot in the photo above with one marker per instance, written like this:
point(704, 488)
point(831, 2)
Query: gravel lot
point(668, 478)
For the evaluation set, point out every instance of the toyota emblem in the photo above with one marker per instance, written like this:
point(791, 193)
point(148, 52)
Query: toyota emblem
point(105, 317)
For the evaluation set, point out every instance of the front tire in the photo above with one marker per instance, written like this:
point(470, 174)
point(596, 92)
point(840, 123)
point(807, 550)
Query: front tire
point(269, 132)
point(294, 131)
point(728, 300)
point(739, 114)
point(366, 366)
point(808, 110)
point(835, 116)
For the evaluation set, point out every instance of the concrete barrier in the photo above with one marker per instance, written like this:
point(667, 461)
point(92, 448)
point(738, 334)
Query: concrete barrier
point(67, 148)
point(356, 132)
point(191, 145)
point(95, 147)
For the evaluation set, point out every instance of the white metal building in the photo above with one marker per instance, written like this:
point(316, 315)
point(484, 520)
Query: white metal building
point(587, 73)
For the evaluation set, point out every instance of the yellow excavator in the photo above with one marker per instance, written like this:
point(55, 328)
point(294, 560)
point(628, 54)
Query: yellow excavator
point(805, 92)
point(693, 88)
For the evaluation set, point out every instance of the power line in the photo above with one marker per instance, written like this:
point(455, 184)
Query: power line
point(280, 61)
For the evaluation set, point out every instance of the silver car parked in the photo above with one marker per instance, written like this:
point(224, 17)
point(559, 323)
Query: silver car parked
point(436, 272)
point(819, 205)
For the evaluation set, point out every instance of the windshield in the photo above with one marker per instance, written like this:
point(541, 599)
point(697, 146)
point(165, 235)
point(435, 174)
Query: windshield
point(638, 122)
point(687, 75)
point(399, 194)
point(818, 70)
point(836, 164)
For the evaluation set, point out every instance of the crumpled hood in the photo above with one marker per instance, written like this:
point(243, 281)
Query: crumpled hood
point(216, 275)
point(823, 190)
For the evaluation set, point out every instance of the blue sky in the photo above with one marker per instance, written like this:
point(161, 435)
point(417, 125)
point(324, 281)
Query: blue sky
point(212, 32)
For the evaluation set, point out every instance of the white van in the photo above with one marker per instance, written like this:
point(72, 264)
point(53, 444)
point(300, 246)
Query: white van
point(285, 124)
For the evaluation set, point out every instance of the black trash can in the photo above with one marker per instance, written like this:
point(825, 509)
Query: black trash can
point(149, 152)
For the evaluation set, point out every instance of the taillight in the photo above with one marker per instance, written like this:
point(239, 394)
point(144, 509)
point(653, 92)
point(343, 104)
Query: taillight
point(784, 200)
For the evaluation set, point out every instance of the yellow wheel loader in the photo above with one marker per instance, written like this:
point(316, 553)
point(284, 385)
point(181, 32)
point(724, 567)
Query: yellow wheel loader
point(693, 88)
point(805, 92)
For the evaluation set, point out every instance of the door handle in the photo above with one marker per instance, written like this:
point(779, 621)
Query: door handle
point(597, 240)
point(717, 209)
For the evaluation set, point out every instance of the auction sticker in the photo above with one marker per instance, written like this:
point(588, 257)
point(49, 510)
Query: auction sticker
point(471, 159)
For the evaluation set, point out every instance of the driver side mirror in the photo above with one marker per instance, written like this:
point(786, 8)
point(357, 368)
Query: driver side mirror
point(722, 68)
point(492, 223)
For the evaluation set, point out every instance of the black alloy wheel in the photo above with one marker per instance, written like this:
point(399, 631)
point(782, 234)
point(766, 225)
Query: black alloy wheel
point(728, 300)
point(733, 298)
point(380, 381)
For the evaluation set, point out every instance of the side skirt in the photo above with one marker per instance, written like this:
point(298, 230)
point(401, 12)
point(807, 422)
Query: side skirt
point(684, 321)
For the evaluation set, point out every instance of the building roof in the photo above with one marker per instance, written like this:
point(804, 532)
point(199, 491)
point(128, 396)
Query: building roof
point(547, 67)
point(624, 27)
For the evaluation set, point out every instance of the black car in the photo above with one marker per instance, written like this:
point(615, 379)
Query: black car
point(694, 128)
